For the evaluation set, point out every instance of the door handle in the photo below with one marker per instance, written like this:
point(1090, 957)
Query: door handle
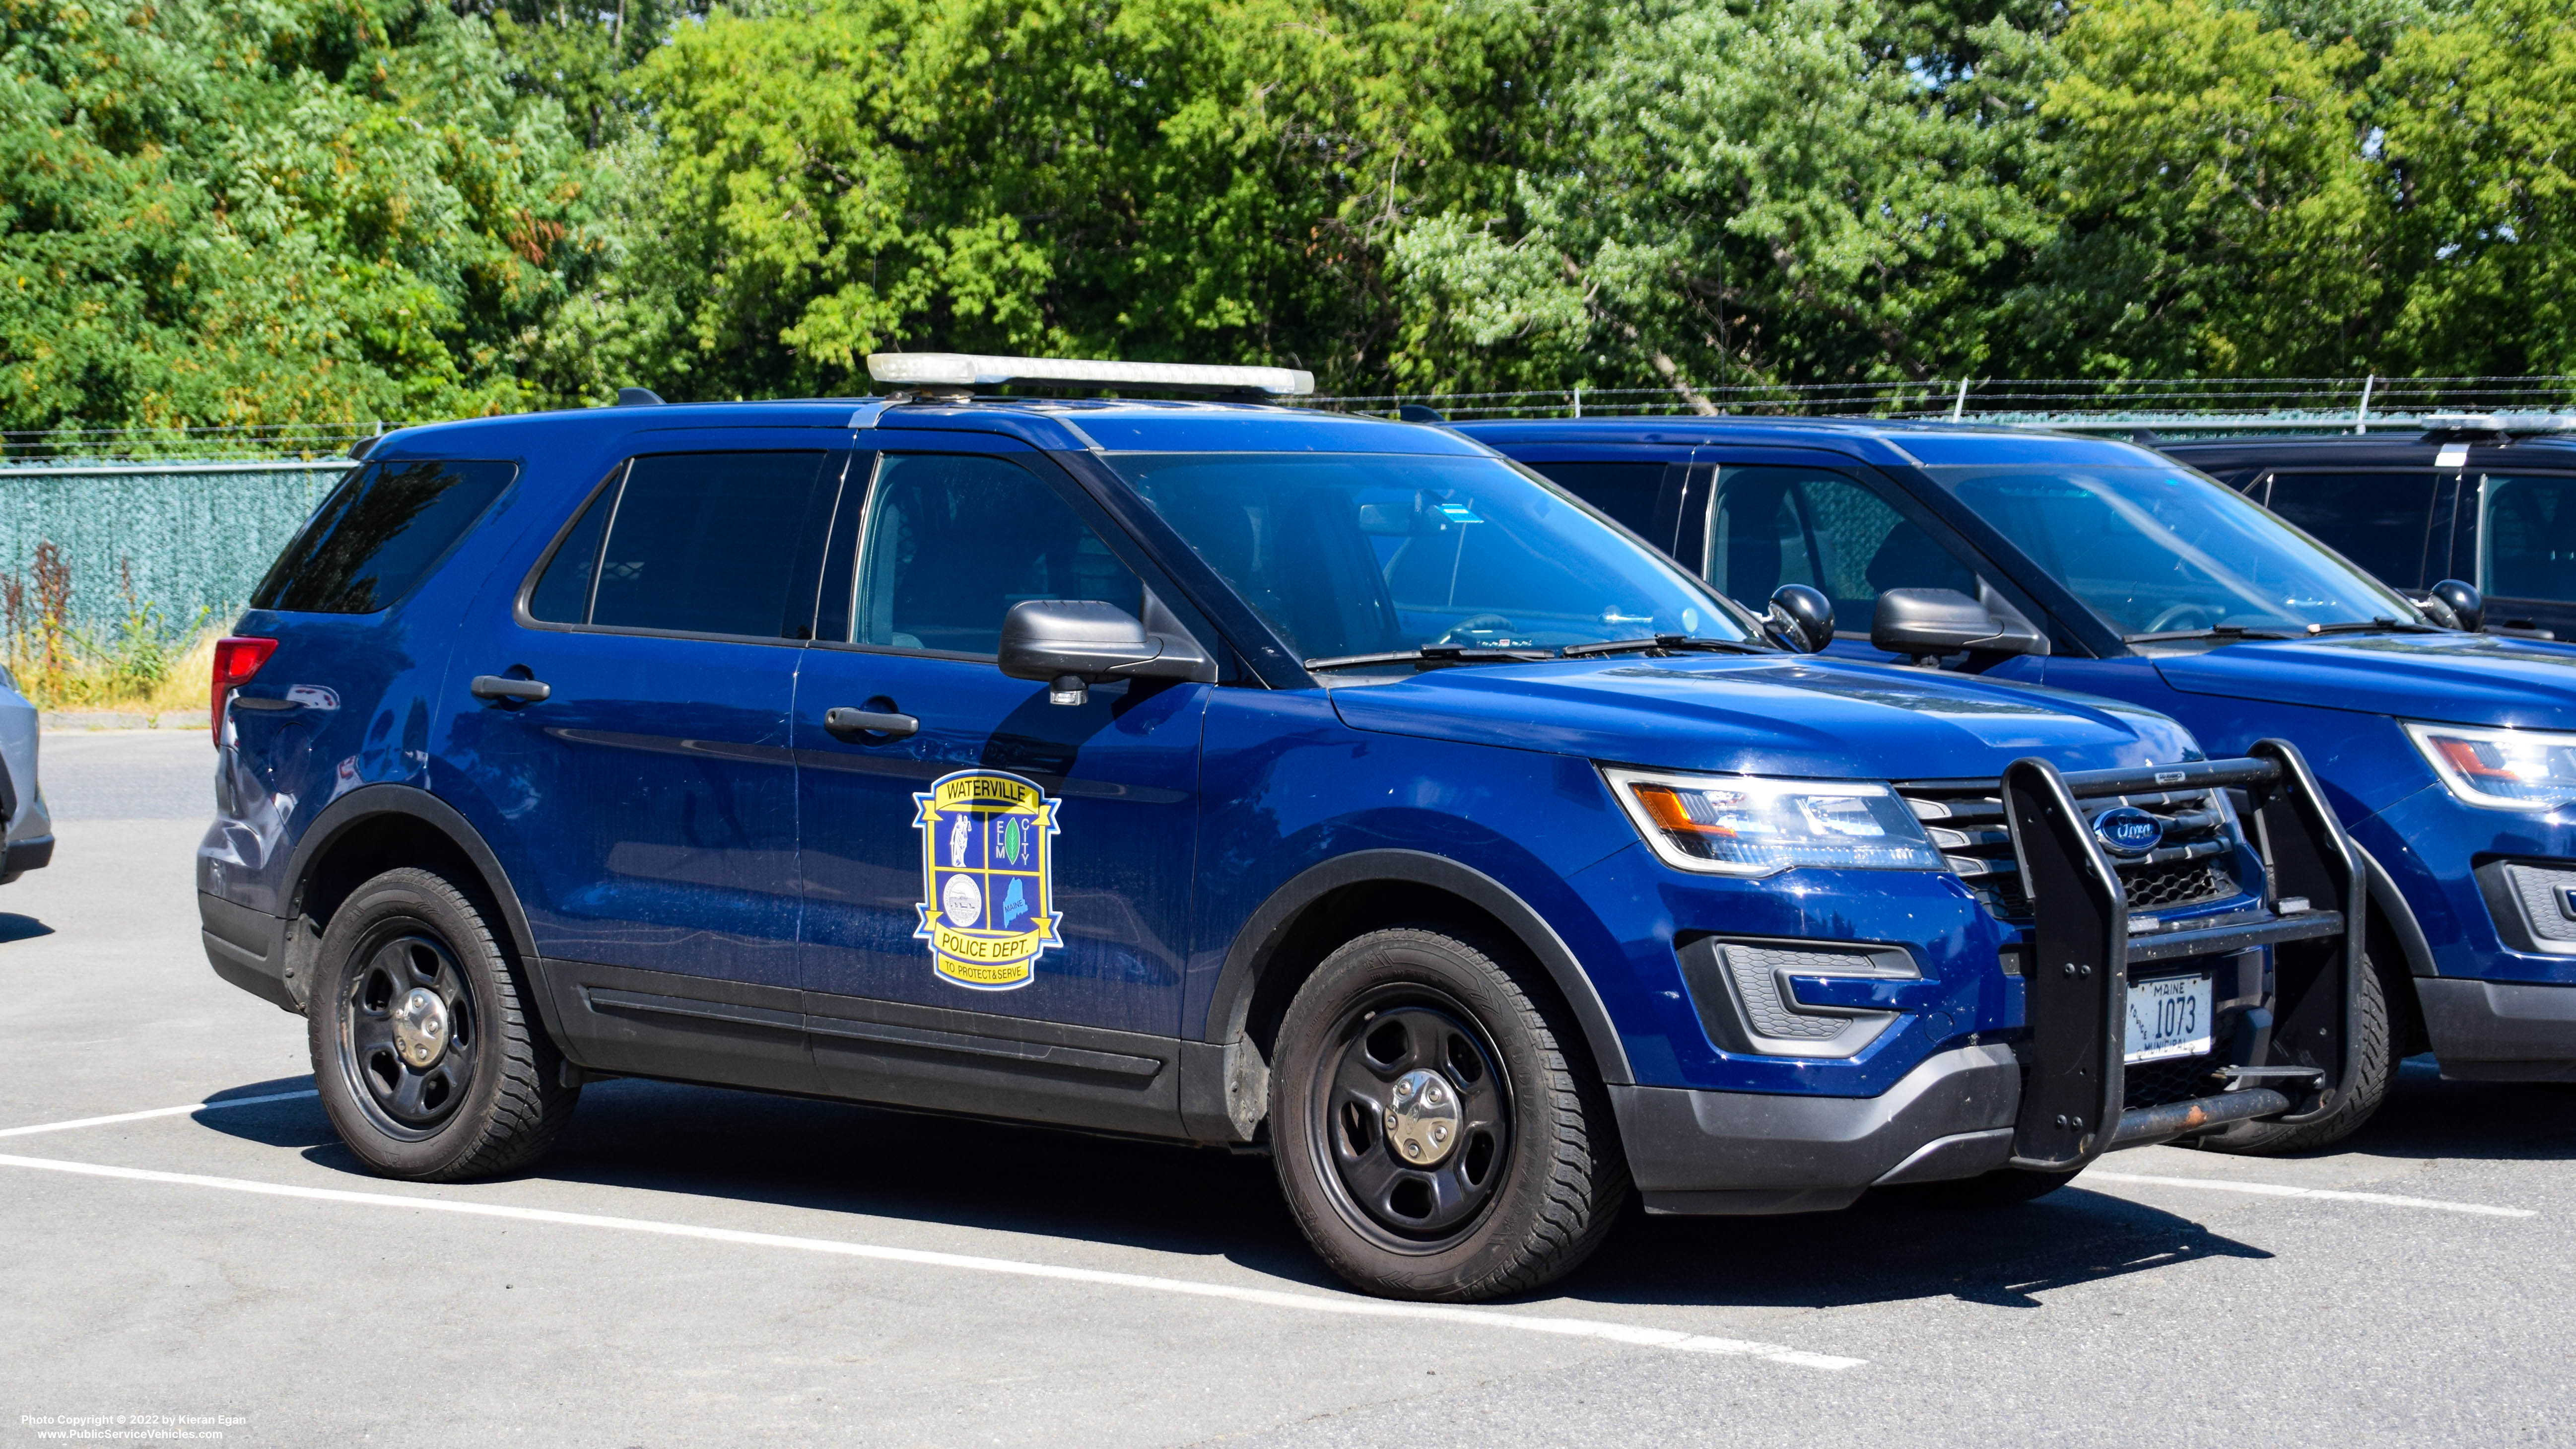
point(499, 687)
point(843, 720)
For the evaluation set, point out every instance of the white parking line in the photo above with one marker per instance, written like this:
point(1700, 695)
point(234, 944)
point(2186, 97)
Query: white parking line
point(224, 1105)
point(1632, 1334)
point(2274, 1189)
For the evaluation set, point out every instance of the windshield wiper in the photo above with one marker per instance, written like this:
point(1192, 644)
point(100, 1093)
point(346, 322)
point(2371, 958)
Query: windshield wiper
point(1433, 656)
point(2229, 633)
point(2373, 626)
point(1662, 644)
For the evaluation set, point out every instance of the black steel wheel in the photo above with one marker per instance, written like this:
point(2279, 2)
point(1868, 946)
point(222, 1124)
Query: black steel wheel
point(407, 1031)
point(425, 1053)
point(1436, 1127)
point(1420, 1117)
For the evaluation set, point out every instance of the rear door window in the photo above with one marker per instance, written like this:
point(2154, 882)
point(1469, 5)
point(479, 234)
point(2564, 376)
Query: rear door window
point(2378, 520)
point(1770, 526)
point(379, 534)
point(696, 543)
point(2527, 537)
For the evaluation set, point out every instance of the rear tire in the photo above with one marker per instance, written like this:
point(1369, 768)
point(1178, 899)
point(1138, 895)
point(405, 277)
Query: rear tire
point(1529, 1175)
point(425, 1052)
point(2374, 1066)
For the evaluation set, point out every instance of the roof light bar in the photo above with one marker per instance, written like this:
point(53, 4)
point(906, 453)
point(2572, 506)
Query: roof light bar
point(2507, 423)
point(961, 370)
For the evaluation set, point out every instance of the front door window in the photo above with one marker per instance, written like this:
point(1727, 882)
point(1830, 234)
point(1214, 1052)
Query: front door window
point(1770, 526)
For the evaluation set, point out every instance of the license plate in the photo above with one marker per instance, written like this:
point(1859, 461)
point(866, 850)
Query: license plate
point(2168, 1018)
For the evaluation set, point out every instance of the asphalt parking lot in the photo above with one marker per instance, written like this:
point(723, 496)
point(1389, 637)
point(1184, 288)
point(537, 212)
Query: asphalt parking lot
point(697, 1266)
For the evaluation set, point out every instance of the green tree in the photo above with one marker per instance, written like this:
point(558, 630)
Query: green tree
point(1781, 190)
point(2480, 142)
point(2221, 211)
point(305, 211)
point(1173, 179)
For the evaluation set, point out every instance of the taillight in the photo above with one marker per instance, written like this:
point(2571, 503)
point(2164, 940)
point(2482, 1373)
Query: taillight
point(236, 660)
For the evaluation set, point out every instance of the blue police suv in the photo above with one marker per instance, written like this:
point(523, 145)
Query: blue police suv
point(2101, 567)
point(1227, 774)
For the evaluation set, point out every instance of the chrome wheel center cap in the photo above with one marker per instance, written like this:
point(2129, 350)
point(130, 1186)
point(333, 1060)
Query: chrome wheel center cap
point(1422, 1118)
point(420, 1028)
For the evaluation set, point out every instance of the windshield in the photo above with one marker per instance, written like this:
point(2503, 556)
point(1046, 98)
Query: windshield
point(1367, 553)
point(2165, 550)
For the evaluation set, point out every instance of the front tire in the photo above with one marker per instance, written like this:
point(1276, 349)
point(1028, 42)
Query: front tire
point(425, 1053)
point(1433, 1133)
point(2374, 1066)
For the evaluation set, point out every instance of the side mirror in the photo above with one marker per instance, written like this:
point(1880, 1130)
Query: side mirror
point(1801, 618)
point(1928, 623)
point(2466, 604)
point(1073, 644)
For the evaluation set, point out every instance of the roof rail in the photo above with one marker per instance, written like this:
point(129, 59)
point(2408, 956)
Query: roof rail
point(963, 372)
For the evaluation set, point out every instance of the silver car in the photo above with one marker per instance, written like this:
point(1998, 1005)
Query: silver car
point(22, 799)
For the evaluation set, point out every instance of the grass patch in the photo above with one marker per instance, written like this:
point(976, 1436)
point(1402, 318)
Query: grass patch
point(143, 665)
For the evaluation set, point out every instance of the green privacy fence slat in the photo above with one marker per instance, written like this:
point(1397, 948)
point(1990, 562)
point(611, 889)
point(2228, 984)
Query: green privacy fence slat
point(197, 539)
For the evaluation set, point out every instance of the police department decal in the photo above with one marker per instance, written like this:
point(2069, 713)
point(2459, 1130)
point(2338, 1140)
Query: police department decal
point(987, 906)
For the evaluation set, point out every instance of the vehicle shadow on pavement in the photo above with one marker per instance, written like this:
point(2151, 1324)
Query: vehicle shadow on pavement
point(2425, 1116)
point(1893, 1247)
point(15, 927)
point(750, 1147)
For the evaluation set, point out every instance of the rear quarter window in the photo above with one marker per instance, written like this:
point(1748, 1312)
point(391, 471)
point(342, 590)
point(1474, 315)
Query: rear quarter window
point(379, 534)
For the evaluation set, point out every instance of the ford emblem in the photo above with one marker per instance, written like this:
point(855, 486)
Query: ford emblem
point(2128, 831)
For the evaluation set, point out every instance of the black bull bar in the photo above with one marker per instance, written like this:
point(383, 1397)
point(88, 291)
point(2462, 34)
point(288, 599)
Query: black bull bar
point(2077, 981)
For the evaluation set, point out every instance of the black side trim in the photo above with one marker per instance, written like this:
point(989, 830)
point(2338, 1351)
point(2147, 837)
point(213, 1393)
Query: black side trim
point(1262, 935)
point(947, 1059)
point(601, 999)
point(687, 1028)
point(1035, 1054)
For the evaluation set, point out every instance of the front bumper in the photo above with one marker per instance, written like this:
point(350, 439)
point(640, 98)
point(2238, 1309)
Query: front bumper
point(1752, 1152)
point(2500, 1031)
point(2057, 1098)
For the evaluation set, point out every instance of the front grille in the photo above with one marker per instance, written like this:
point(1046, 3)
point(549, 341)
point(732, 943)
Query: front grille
point(2179, 1079)
point(1966, 821)
point(2183, 883)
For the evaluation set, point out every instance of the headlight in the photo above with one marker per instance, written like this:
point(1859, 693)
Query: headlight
point(1749, 825)
point(2525, 770)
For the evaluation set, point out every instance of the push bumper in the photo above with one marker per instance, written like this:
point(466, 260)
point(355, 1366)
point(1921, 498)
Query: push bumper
point(2500, 1031)
point(2054, 1101)
point(248, 949)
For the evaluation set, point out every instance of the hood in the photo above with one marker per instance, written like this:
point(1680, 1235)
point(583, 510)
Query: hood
point(2454, 678)
point(1776, 716)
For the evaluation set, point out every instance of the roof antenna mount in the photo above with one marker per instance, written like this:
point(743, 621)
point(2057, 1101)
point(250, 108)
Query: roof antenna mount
point(638, 397)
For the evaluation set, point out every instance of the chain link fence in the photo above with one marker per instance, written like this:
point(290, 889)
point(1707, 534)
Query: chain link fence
point(185, 520)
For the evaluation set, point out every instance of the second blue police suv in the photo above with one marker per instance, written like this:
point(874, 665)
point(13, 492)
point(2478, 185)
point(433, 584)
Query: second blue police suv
point(1224, 774)
point(2101, 567)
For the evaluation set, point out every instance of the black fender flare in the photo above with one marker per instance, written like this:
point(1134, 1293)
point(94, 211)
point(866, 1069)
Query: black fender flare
point(2390, 905)
point(369, 802)
point(1260, 938)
